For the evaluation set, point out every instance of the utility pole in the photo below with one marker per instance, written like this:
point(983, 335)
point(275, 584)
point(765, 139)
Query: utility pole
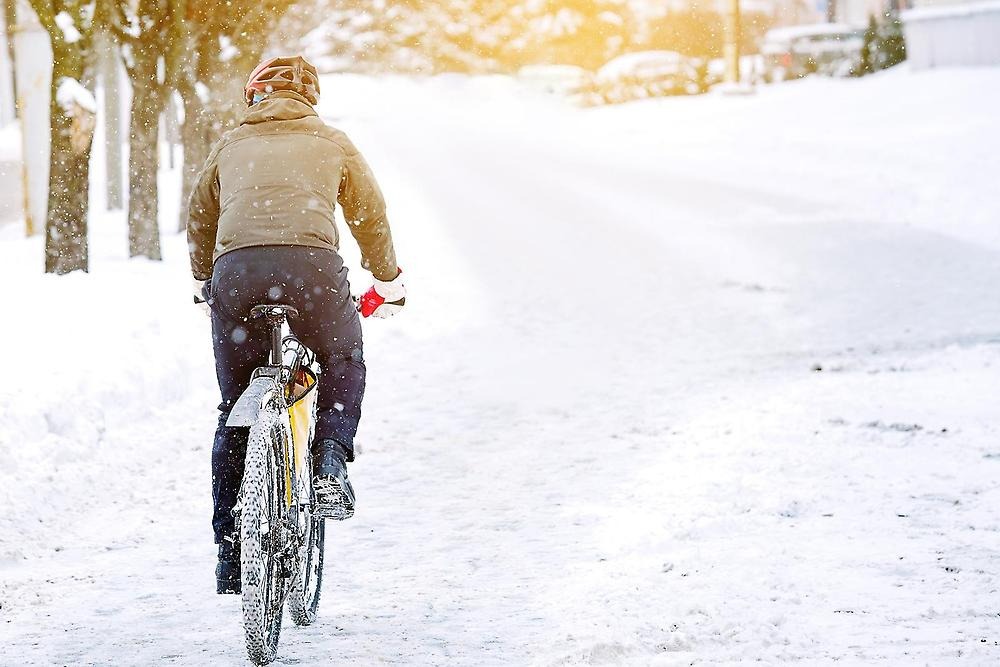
point(9, 28)
point(7, 104)
point(731, 50)
point(33, 72)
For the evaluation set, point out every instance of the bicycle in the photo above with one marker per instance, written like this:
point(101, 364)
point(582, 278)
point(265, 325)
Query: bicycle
point(281, 541)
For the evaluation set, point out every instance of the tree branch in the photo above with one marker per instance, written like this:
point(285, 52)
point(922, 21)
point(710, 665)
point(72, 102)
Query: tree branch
point(111, 15)
point(47, 17)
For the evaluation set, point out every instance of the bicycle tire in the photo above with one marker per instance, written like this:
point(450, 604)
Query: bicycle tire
point(303, 598)
point(263, 580)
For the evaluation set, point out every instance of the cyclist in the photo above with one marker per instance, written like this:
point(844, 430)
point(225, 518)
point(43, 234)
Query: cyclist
point(261, 229)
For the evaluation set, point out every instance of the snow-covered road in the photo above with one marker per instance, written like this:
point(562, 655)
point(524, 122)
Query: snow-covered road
point(683, 382)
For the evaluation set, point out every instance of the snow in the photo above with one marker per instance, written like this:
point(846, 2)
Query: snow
point(65, 23)
point(202, 91)
point(227, 50)
point(702, 380)
point(127, 54)
point(71, 93)
point(789, 33)
point(10, 142)
point(646, 62)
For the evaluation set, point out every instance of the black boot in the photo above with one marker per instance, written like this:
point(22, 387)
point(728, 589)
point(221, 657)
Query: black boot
point(334, 493)
point(227, 572)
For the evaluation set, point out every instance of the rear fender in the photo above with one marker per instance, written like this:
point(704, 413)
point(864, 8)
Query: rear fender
point(251, 401)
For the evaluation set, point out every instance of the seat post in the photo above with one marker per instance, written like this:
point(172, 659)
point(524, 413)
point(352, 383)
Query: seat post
point(275, 315)
point(276, 323)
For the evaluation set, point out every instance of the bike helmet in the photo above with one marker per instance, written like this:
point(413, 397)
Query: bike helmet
point(284, 73)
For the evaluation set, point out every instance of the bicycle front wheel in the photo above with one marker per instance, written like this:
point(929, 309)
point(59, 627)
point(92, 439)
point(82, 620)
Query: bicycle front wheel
point(303, 599)
point(261, 538)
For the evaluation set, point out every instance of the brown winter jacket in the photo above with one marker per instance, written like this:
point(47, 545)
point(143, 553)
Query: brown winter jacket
point(275, 179)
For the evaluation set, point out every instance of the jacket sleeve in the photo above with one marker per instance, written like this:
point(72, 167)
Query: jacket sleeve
point(203, 218)
point(364, 210)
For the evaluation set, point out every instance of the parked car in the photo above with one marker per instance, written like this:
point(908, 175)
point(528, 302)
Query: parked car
point(565, 80)
point(792, 52)
point(751, 70)
point(648, 74)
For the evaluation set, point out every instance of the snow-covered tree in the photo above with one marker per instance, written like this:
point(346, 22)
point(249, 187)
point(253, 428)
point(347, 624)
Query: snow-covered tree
point(460, 35)
point(883, 46)
point(213, 47)
point(371, 35)
point(891, 42)
point(144, 28)
point(69, 24)
point(584, 32)
point(701, 33)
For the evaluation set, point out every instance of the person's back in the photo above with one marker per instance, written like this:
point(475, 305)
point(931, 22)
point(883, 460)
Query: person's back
point(278, 175)
point(275, 181)
point(261, 230)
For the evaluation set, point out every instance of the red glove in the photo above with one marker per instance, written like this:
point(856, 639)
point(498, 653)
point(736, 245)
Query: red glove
point(383, 299)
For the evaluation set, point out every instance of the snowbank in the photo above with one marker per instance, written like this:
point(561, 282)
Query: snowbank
point(93, 352)
point(898, 147)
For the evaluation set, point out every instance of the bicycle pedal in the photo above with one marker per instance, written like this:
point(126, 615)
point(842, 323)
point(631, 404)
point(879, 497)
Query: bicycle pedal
point(332, 500)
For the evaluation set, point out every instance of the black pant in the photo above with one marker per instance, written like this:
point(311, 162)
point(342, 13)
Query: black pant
point(314, 281)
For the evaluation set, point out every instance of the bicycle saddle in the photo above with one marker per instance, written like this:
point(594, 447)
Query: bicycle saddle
point(274, 311)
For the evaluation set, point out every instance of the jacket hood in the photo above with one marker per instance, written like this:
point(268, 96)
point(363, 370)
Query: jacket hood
point(279, 105)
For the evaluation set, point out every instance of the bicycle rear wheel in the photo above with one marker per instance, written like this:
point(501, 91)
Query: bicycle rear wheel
point(261, 530)
point(303, 598)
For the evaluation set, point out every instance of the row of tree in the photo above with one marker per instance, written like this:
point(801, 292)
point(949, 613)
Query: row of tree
point(503, 35)
point(199, 49)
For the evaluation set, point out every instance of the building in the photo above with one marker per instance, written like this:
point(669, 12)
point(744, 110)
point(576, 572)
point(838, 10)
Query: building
point(952, 33)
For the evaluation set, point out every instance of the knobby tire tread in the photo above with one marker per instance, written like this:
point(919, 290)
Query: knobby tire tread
point(261, 498)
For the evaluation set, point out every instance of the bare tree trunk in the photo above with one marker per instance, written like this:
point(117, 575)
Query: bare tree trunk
point(172, 130)
point(196, 137)
point(225, 88)
point(206, 120)
point(144, 155)
point(211, 90)
point(66, 247)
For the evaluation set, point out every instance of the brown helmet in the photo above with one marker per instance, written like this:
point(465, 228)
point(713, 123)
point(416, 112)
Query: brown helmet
point(284, 73)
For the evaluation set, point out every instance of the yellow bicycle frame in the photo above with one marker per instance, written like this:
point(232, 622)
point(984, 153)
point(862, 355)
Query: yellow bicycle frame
point(301, 420)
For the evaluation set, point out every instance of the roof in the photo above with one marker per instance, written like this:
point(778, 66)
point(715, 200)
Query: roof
point(791, 32)
point(950, 11)
point(625, 63)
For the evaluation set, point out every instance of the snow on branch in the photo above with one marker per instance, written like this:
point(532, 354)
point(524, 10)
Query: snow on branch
point(65, 23)
point(203, 93)
point(227, 51)
point(80, 107)
point(72, 94)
